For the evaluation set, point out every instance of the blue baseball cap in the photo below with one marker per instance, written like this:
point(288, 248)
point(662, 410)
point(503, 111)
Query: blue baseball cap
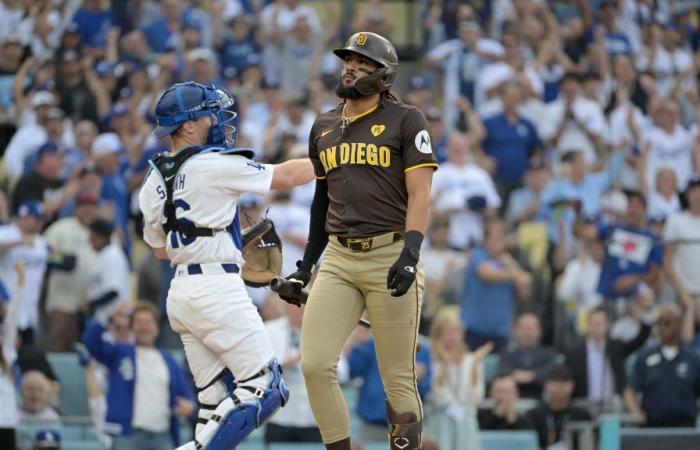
point(47, 149)
point(31, 208)
point(419, 82)
point(47, 439)
point(104, 68)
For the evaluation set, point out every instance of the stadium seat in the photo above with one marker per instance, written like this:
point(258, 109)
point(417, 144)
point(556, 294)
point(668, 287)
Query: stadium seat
point(251, 446)
point(508, 440)
point(73, 400)
point(491, 363)
point(82, 445)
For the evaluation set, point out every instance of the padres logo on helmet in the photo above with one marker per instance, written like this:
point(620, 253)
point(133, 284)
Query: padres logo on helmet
point(378, 49)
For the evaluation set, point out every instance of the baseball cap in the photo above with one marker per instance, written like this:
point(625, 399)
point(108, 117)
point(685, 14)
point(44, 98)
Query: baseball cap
point(47, 149)
point(471, 23)
point(117, 110)
point(85, 198)
point(72, 27)
point(12, 38)
point(42, 98)
point(433, 113)
point(30, 208)
point(88, 168)
point(56, 114)
point(267, 83)
point(559, 373)
point(106, 143)
point(47, 439)
point(102, 228)
point(104, 69)
point(202, 53)
point(419, 82)
point(69, 56)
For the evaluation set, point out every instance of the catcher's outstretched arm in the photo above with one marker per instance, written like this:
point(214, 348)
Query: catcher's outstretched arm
point(160, 253)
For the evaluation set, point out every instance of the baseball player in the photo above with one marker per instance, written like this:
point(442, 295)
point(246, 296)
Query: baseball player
point(189, 203)
point(374, 163)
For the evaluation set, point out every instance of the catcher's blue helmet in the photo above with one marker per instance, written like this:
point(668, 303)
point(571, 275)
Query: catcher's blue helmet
point(190, 101)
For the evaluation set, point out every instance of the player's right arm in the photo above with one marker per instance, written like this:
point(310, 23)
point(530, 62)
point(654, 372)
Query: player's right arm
point(292, 173)
point(318, 237)
point(151, 198)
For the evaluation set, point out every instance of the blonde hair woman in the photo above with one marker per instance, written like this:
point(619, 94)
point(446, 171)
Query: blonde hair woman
point(458, 385)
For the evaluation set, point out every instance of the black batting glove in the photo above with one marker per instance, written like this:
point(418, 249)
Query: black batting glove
point(303, 274)
point(403, 273)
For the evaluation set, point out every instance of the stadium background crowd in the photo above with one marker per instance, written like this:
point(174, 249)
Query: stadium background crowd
point(562, 260)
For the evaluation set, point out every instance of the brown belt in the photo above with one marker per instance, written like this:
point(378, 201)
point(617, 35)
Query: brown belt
point(365, 244)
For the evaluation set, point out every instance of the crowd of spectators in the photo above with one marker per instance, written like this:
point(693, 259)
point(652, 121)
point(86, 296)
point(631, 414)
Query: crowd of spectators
point(565, 238)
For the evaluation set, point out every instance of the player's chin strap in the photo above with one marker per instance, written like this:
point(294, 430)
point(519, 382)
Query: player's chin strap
point(233, 419)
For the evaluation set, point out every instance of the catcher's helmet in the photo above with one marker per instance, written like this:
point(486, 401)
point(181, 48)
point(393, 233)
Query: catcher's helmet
point(378, 49)
point(189, 101)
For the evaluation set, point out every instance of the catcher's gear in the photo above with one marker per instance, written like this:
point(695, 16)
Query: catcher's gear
point(262, 252)
point(168, 166)
point(234, 419)
point(378, 49)
point(190, 101)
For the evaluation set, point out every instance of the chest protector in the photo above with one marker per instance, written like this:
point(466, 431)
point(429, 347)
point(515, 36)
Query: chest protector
point(168, 166)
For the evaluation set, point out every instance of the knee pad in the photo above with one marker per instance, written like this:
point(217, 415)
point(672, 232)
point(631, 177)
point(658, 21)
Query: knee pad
point(212, 394)
point(233, 420)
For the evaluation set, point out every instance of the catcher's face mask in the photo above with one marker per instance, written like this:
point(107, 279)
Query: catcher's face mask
point(190, 101)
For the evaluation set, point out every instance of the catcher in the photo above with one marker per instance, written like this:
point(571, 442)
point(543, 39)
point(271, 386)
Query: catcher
point(189, 203)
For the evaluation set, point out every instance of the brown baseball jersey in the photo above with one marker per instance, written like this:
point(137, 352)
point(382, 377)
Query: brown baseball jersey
point(364, 162)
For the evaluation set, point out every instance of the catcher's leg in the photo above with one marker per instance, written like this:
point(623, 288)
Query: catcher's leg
point(225, 331)
point(333, 308)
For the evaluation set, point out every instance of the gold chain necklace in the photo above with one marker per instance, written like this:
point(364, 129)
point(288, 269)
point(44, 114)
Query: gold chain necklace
point(346, 120)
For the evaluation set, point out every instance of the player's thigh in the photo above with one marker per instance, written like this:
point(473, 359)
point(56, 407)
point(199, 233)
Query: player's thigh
point(214, 308)
point(332, 310)
point(204, 364)
point(394, 319)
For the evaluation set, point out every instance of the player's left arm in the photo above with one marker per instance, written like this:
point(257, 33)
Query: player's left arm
point(419, 163)
point(418, 182)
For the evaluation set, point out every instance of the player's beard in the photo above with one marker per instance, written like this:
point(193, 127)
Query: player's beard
point(347, 92)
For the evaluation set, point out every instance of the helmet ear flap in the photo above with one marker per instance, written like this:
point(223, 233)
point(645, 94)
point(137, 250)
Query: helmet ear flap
point(381, 80)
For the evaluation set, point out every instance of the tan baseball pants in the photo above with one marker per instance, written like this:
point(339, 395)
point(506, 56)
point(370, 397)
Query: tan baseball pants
point(349, 282)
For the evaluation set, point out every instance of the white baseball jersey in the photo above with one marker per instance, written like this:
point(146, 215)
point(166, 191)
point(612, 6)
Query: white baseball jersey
point(110, 272)
point(205, 192)
point(34, 258)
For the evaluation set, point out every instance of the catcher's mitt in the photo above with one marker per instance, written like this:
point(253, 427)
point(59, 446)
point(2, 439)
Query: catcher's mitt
point(262, 252)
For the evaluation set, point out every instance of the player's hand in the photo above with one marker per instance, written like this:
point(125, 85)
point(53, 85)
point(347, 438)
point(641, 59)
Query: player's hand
point(403, 273)
point(303, 274)
point(83, 354)
point(183, 407)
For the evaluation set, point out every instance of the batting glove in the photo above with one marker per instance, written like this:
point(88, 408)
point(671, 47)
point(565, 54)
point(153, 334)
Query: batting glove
point(303, 274)
point(403, 273)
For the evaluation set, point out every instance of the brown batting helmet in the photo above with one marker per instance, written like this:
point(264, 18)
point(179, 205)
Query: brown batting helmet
point(378, 49)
